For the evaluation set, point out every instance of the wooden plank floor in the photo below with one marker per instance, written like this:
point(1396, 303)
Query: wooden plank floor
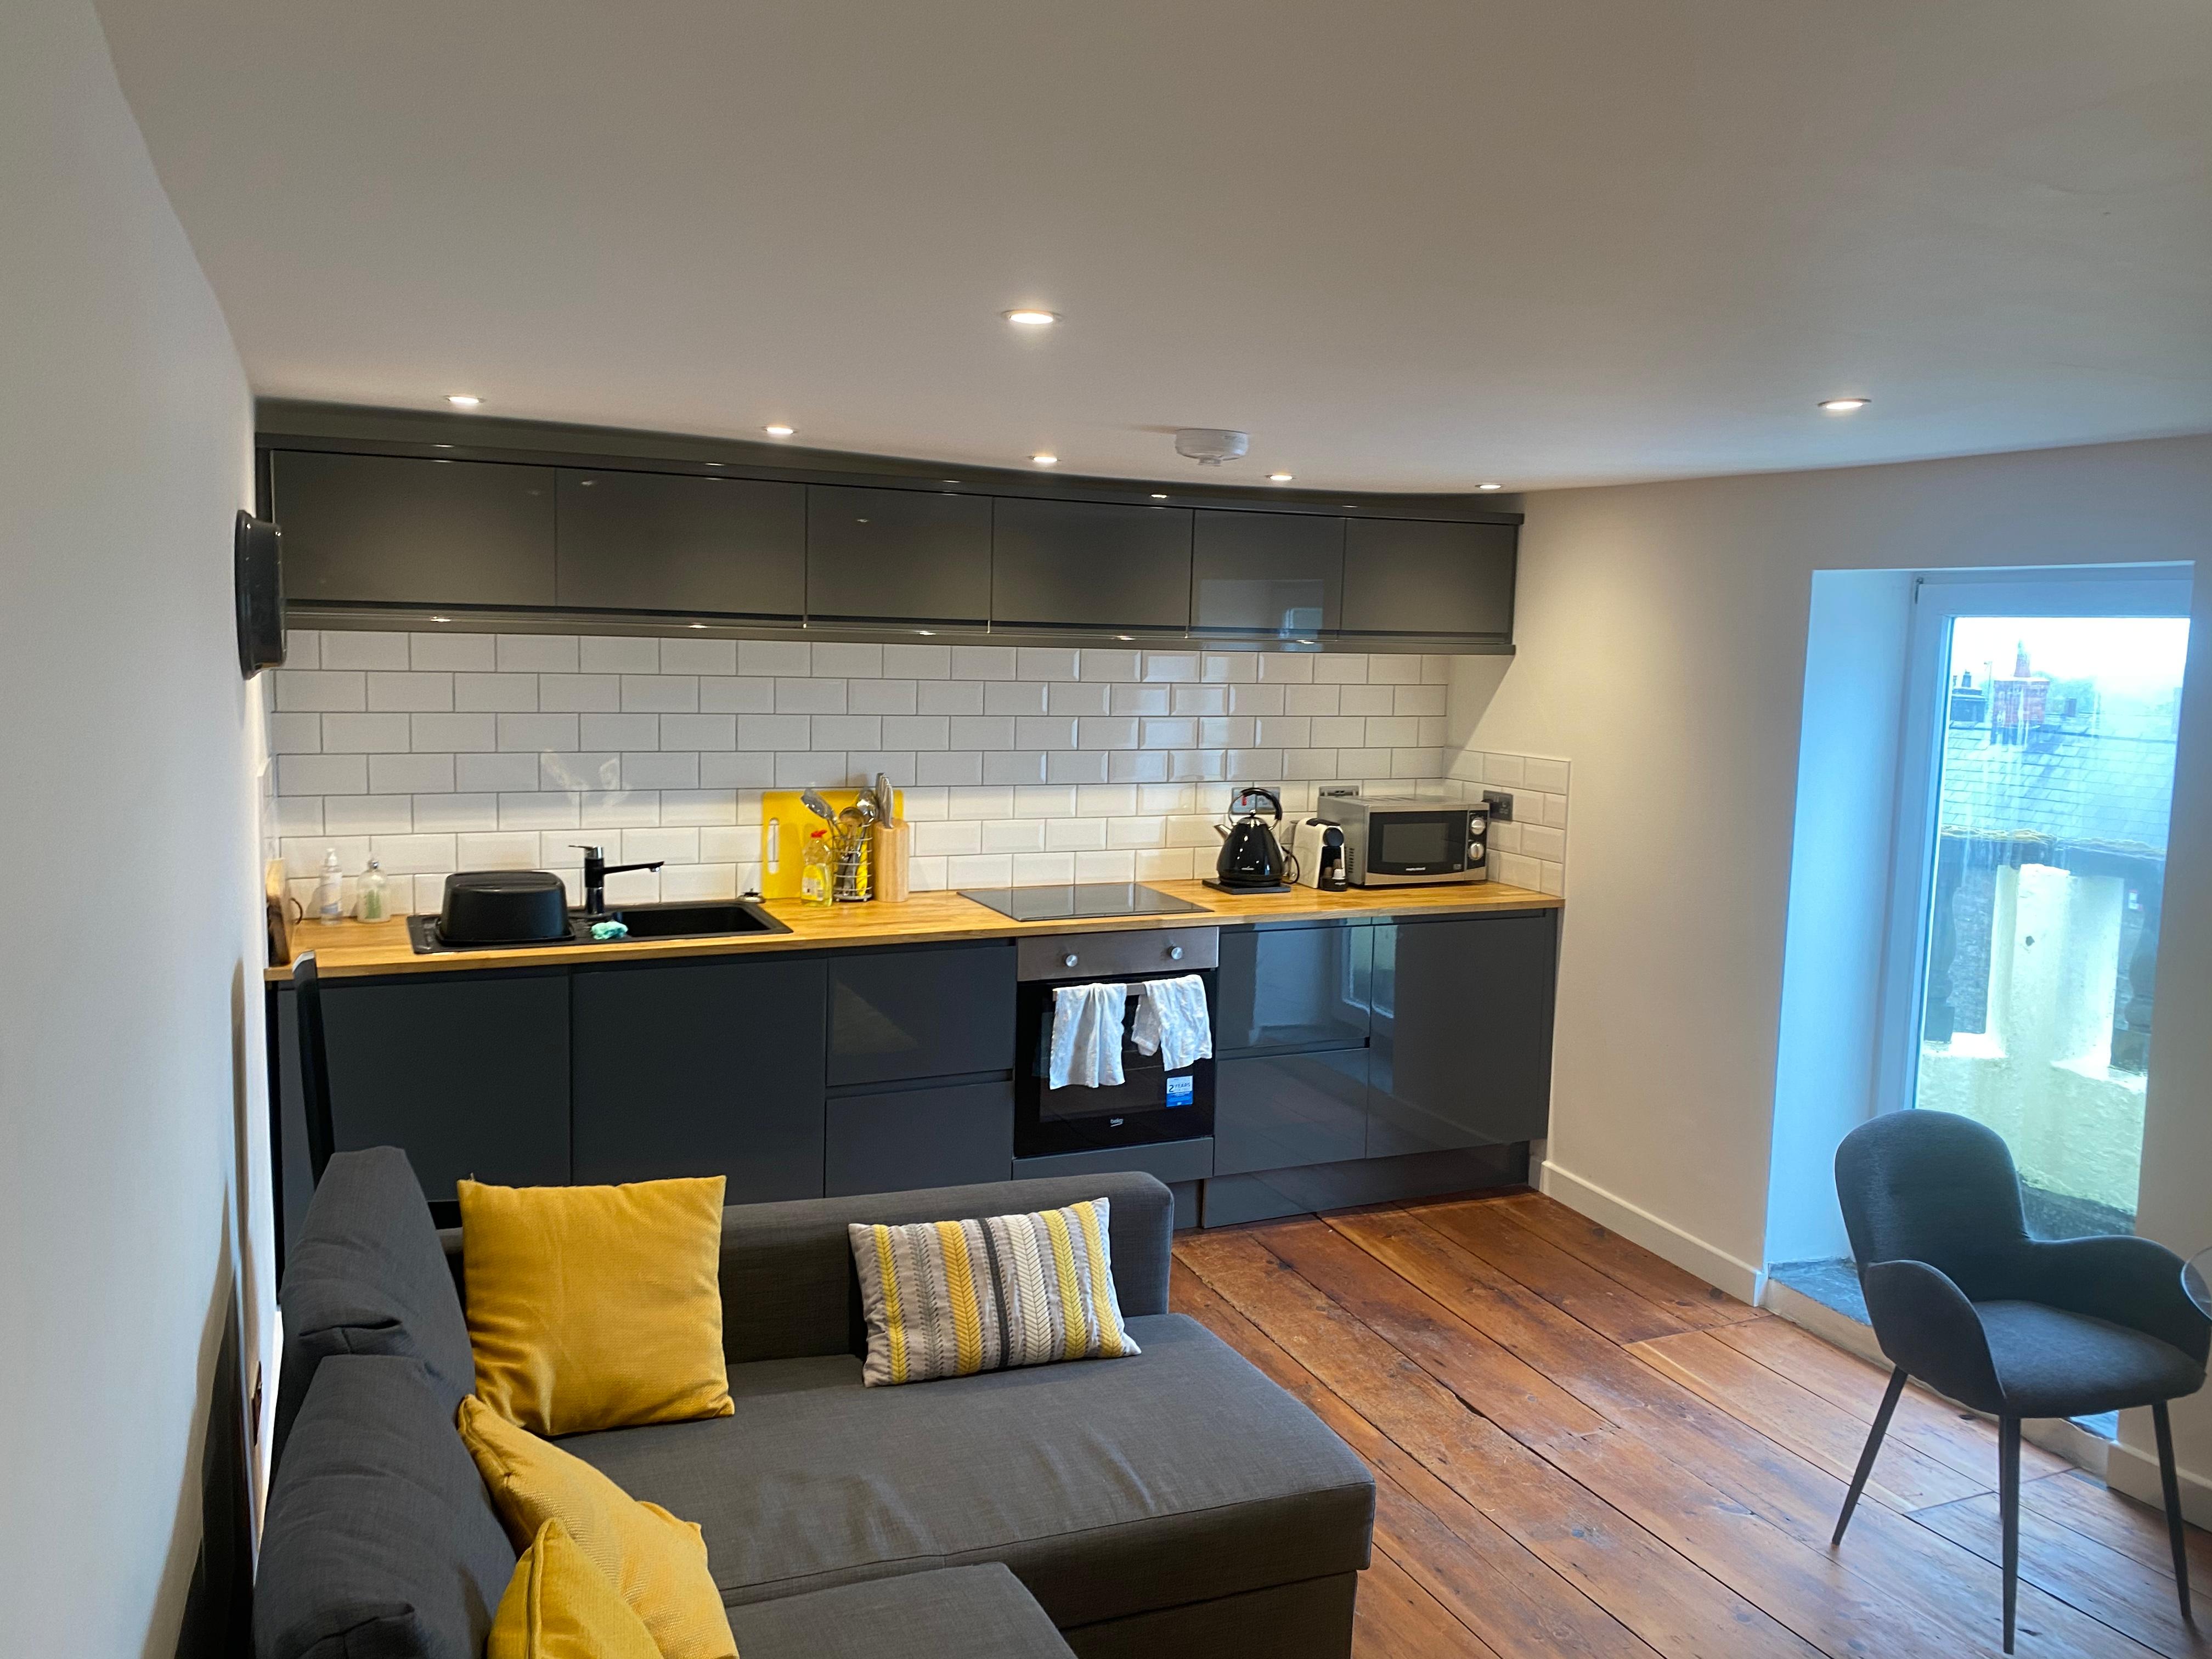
point(1580, 1449)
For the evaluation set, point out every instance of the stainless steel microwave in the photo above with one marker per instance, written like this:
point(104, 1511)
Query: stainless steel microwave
point(1404, 842)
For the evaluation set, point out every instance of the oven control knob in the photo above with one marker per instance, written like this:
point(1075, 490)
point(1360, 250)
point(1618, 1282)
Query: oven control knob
point(1175, 953)
point(1068, 961)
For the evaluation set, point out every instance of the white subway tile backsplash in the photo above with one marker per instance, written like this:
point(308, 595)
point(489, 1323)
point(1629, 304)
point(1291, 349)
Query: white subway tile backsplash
point(773, 658)
point(810, 696)
point(403, 854)
point(941, 766)
point(1075, 834)
point(728, 696)
point(495, 693)
point(984, 662)
point(1227, 732)
point(367, 815)
point(320, 690)
point(1078, 697)
point(542, 810)
point(681, 882)
point(615, 654)
point(411, 775)
point(537, 732)
point(1392, 732)
point(660, 769)
point(346, 648)
point(919, 662)
point(631, 732)
point(1078, 767)
point(536, 653)
point(1014, 697)
point(580, 693)
point(1230, 667)
point(587, 769)
point(1111, 731)
point(699, 807)
point(912, 731)
point(474, 734)
point(1111, 665)
point(989, 870)
point(698, 732)
point(729, 843)
point(1550, 776)
point(936, 840)
point(446, 813)
point(410, 691)
point(1333, 732)
point(497, 774)
point(295, 734)
point(663, 694)
point(671, 846)
point(777, 731)
point(510, 849)
point(1044, 732)
point(1350, 669)
point(1142, 699)
point(1044, 663)
point(835, 731)
point(1106, 867)
point(1138, 765)
point(949, 697)
point(849, 662)
point(1257, 699)
point(1542, 841)
point(1286, 668)
point(1008, 766)
point(1043, 869)
point(1170, 667)
point(1503, 771)
point(1366, 699)
point(880, 696)
point(1169, 733)
point(804, 769)
point(363, 734)
point(1013, 836)
point(743, 770)
point(1200, 700)
point(696, 656)
point(303, 648)
point(322, 774)
point(299, 814)
point(1322, 700)
point(1391, 669)
point(1417, 700)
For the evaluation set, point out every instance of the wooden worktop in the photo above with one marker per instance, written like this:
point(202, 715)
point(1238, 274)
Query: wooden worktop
point(357, 948)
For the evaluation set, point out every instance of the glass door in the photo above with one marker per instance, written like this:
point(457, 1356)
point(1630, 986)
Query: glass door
point(2032, 849)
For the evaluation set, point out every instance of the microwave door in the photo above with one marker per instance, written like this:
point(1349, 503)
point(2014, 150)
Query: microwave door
point(1418, 843)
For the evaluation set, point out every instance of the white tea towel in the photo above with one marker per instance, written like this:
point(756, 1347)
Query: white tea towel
point(1086, 1036)
point(1171, 1021)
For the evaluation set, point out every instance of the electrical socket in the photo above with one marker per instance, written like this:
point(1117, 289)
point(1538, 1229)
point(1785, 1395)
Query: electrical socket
point(1350, 791)
point(1500, 804)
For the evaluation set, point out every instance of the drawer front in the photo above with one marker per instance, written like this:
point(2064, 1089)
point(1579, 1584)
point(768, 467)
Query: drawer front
point(1102, 956)
point(898, 1016)
point(1285, 990)
point(892, 1143)
point(1289, 1111)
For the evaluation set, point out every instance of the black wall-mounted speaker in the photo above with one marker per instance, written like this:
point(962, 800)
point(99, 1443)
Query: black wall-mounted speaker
point(259, 573)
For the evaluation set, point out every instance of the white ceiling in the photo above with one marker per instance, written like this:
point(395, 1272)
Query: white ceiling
point(1409, 246)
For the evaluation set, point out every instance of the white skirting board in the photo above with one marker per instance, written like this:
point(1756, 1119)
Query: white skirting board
point(1663, 1238)
point(2135, 1473)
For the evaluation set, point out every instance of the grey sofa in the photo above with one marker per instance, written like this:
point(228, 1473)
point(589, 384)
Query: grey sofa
point(1175, 1503)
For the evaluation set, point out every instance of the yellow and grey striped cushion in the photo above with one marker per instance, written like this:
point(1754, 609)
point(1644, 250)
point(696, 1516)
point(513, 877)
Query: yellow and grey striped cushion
point(950, 1299)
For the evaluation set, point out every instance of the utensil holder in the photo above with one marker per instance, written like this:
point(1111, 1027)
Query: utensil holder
point(849, 865)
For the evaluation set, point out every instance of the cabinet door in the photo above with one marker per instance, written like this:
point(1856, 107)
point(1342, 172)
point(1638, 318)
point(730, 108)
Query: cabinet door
point(701, 1068)
point(393, 530)
point(924, 1012)
point(1287, 988)
point(1089, 564)
point(1288, 1110)
point(894, 1143)
point(1275, 574)
point(1463, 1050)
point(658, 541)
point(897, 554)
point(467, 1076)
point(1406, 576)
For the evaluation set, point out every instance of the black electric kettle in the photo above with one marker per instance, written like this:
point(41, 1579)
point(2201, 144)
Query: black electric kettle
point(1251, 856)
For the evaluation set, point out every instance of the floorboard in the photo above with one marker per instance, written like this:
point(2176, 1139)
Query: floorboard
point(1579, 1449)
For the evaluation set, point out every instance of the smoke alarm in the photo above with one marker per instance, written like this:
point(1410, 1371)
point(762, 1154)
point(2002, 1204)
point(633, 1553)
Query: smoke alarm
point(1210, 446)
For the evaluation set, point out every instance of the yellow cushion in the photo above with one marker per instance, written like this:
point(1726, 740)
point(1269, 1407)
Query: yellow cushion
point(595, 1307)
point(559, 1605)
point(657, 1562)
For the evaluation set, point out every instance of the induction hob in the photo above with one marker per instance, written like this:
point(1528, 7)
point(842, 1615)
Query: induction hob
point(1087, 898)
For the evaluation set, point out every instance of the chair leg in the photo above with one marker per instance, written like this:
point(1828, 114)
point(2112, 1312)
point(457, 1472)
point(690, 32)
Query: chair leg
point(2008, 1504)
point(1866, 1458)
point(2175, 1526)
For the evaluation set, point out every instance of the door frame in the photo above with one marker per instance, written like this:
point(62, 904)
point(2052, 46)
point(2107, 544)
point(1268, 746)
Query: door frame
point(1938, 597)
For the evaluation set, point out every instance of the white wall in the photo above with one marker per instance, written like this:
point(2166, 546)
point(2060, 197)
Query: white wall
point(130, 1017)
point(1661, 633)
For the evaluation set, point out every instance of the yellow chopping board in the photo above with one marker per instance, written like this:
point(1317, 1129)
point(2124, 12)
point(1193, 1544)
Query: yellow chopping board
point(785, 825)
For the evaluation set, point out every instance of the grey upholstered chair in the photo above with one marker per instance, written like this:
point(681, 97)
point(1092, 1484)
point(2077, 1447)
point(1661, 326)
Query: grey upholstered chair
point(1962, 1298)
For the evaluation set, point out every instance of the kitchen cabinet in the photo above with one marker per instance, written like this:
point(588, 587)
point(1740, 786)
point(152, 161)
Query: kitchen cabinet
point(926, 1012)
point(1266, 575)
point(897, 554)
point(1283, 1111)
point(391, 529)
point(657, 541)
point(1462, 1051)
point(469, 1074)
point(706, 1067)
point(1287, 988)
point(942, 1137)
point(1416, 577)
point(1089, 564)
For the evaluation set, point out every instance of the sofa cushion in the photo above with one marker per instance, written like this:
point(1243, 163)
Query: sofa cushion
point(368, 1276)
point(977, 1612)
point(380, 1541)
point(1175, 1476)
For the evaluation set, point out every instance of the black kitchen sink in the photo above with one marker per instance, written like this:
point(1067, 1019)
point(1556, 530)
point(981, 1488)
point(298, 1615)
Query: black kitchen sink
point(699, 920)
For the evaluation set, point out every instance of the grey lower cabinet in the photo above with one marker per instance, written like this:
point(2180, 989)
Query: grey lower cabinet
point(925, 1011)
point(468, 1074)
point(1265, 575)
point(1089, 564)
point(395, 529)
point(942, 1137)
point(708, 1067)
point(897, 555)
point(1418, 577)
point(1294, 986)
point(1283, 1111)
point(1462, 1034)
point(663, 542)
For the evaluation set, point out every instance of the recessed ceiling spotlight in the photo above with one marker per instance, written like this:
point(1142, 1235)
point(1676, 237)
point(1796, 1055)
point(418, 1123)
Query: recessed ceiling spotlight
point(698, 624)
point(1843, 405)
point(441, 619)
point(1046, 461)
point(1490, 486)
point(1028, 317)
point(1279, 478)
point(462, 400)
point(778, 431)
point(1160, 495)
point(926, 633)
point(1125, 636)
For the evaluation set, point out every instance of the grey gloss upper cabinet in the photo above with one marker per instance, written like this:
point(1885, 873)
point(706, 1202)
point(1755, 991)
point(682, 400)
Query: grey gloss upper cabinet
point(658, 541)
point(390, 529)
point(897, 554)
point(1089, 564)
point(1413, 576)
point(1274, 575)
point(700, 1068)
point(1462, 1053)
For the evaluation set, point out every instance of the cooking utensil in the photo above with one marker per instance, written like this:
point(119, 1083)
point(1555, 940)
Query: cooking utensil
point(503, 906)
point(812, 801)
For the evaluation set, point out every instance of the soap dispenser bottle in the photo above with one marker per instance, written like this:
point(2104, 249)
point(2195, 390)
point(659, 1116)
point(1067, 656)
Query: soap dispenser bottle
point(330, 890)
point(372, 906)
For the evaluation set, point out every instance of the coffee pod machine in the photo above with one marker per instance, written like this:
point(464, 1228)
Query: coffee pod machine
point(1317, 851)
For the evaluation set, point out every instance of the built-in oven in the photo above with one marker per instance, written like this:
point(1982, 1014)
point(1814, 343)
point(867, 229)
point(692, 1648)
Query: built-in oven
point(1407, 842)
point(1151, 1104)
